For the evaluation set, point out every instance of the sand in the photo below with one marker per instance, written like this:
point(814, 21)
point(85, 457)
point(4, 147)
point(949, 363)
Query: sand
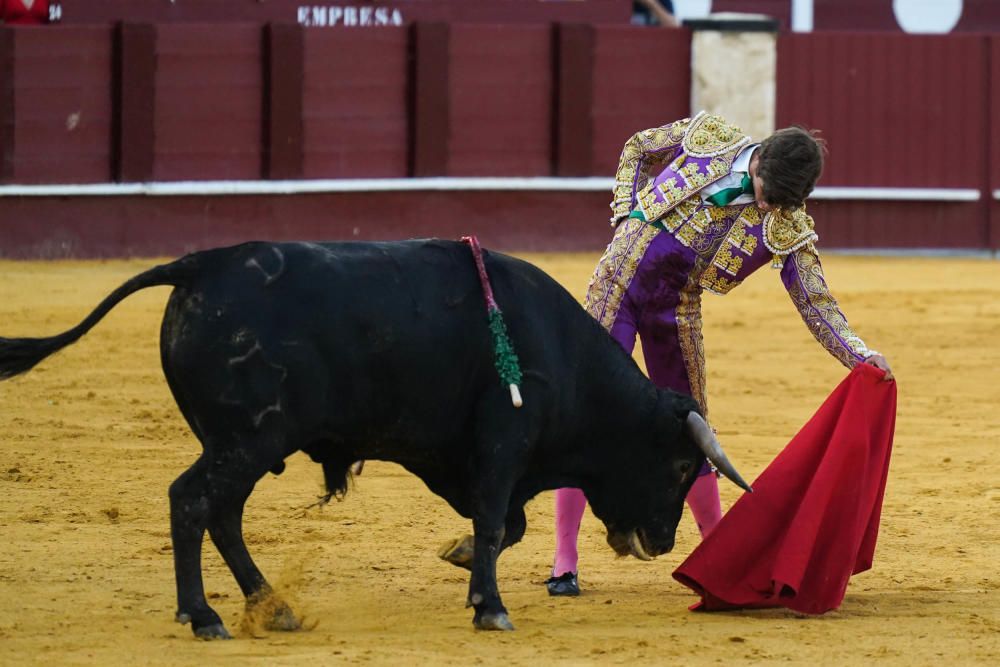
point(91, 439)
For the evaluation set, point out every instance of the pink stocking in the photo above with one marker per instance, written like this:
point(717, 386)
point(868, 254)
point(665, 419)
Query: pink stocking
point(570, 504)
point(703, 499)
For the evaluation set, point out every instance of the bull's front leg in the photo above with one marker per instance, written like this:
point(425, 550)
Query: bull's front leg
point(502, 446)
point(484, 594)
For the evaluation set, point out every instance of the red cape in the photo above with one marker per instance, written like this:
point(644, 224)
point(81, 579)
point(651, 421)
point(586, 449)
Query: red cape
point(812, 520)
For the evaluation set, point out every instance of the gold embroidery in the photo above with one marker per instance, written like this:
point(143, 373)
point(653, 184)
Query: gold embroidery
point(710, 135)
point(690, 338)
point(688, 169)
point(750, 216)
point(720, 166)
point(684, 222)
point(687, 235)
point(725, 260)
point(643, 151)
point(668, 189)
point(722, 240)
point(786, 232)
point(615, 270)
point(740, 240)
point(694, 175)
point(718, 212)
point(820, 311)
point(713, 282)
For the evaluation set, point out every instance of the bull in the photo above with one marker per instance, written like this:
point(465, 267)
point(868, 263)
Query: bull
point(356, 351)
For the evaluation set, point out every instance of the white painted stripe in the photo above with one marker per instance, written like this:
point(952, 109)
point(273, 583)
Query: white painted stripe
point(590, 184)
point(310, 186)
point(898, 194)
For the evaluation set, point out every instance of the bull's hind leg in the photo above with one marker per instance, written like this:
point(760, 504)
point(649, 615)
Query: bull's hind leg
point(226, 529)
point(211, 496)
point(189, 509)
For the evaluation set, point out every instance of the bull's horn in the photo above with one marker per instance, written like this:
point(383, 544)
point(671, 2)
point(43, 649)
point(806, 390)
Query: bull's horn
point(709, 444)
point(635, 544)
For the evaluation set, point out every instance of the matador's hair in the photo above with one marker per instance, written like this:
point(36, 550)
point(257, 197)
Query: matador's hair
point(790, 162)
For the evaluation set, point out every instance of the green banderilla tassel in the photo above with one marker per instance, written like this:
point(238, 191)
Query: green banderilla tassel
point(504, 356)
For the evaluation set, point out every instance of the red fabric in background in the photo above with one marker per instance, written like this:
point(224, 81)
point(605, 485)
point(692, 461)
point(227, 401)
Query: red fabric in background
point(813, 518)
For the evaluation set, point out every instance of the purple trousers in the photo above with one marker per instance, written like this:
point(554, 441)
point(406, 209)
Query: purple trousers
point(650, 309)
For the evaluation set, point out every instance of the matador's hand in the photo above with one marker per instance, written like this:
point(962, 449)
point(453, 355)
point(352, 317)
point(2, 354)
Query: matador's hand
point(878, 361)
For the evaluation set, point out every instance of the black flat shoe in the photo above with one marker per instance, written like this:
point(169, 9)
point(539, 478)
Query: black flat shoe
point(564, 584)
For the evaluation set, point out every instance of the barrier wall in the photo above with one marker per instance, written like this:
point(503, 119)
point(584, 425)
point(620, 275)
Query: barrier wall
point(345, 14)
point(172, 101)
point(898, 111)
point(56, 108)
point(139, 103)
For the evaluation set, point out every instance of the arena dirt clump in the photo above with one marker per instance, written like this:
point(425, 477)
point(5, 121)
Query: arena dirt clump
point(272, 610)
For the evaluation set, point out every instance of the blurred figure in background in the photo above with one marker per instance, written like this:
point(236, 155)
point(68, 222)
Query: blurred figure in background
point(654, 12)
point(24, 12)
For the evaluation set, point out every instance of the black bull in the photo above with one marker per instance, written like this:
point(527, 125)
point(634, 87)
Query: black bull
point(353, 351)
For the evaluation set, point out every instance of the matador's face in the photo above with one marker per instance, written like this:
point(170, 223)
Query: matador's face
point(758, 184)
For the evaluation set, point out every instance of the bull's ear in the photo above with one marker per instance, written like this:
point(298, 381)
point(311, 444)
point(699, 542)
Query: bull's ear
point(673, 412)
point(684, 405)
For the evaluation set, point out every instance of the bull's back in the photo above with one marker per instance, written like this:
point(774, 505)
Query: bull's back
point(378, 340)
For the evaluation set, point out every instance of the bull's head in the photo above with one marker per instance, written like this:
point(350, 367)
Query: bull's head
point(642, 501)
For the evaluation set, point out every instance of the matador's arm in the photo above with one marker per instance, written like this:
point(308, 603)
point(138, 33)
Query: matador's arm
point(643, 152)
point(803, 277)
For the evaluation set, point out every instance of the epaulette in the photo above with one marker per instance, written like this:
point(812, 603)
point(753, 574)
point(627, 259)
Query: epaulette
point(787, 231)
point(709, 135)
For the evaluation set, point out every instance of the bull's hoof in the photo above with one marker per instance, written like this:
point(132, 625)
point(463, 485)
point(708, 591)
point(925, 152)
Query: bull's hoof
point(458, 552)
point(266, 611)
point(283, 620)
point(210, 630)
point(493, 622)
point(214, 631)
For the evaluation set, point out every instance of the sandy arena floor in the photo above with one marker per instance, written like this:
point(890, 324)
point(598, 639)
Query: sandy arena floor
point(91, 439)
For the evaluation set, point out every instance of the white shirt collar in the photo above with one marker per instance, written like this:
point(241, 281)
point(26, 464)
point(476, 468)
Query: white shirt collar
point(742, 161)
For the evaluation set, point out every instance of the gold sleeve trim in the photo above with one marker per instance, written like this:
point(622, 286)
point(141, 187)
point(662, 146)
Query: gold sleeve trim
point(643, 151)
point(692, 342)
point(820, 311)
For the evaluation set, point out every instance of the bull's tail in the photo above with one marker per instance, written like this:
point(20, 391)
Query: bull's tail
point(18, 355)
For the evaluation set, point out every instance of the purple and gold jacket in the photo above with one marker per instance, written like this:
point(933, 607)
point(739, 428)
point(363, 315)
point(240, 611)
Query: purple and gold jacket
point(727, 243)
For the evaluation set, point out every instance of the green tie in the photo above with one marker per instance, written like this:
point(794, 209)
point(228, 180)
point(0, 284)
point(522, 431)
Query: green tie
point(726, 196)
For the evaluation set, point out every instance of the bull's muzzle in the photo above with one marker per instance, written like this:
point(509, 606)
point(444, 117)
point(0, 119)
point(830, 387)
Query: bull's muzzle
point(634, 543)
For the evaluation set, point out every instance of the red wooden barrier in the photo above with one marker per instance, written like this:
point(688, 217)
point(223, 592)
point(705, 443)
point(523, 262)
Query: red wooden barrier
point(500, 101)
point(355, 103)
point(55, 97)
point(993, 113)
point(236, 101)
point(897, 111)
point(345, 13)
point(60, 227)
point(208, 102)
point(284, 90)
point(642, 79)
